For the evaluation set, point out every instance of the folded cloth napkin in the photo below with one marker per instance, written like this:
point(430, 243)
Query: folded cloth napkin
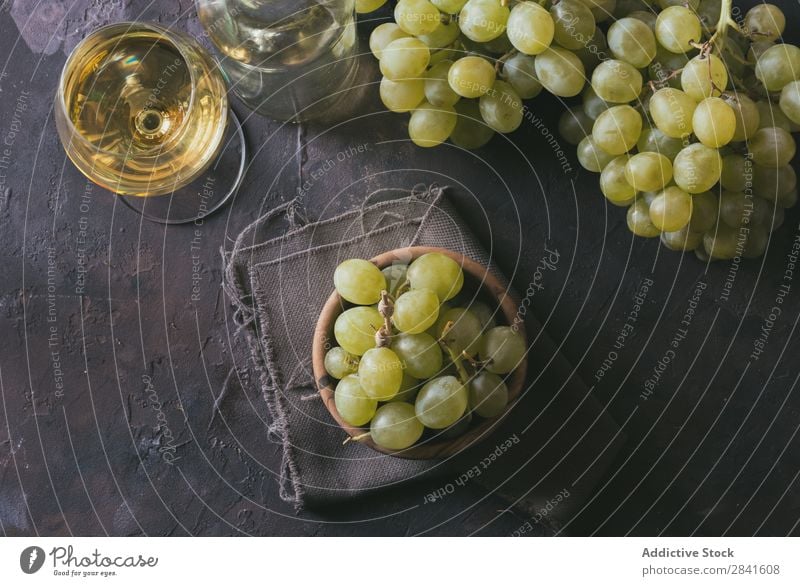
point(549, 452)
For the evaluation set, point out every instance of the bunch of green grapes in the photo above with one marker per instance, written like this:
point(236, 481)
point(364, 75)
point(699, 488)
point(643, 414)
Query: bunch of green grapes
point(409, 358)
point(689, 123)
point(687, 115)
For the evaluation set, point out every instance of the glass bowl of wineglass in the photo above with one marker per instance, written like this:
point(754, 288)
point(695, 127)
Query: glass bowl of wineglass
point(143, 111)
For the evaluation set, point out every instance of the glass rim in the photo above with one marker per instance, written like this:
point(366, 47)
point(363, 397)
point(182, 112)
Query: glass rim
point(125, 27)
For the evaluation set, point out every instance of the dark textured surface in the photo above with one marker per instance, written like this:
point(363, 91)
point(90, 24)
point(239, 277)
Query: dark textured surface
point(713, 450)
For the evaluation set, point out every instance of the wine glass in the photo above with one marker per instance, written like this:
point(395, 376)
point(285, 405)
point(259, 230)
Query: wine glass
point(143, 111)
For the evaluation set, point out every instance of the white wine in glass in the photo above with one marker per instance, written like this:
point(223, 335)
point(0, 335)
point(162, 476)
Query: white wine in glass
point(143, 111)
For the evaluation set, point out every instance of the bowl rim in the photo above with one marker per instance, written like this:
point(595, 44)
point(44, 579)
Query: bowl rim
point(436, 448)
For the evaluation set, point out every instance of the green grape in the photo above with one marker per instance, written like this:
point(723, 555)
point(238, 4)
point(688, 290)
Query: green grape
point(723, 243)
point(772, 147)
point(339, 363)
point(593, 105)
point(705, 209)
point(677, 27)
point(573, 24)
point(626, 203)
point(714, 122)
point(757, 49)
point(595, 50)
point(444, 36)
point(449, 6)
point(639, 220)
point(765, 22)
point(471, 132)
point(439, 55)
point(560, 72)
point(788, 200)
point(648, 171)
point(625, 7)
point(646, 16)
point(395, 426)
point(383, 35)
point(757, 242)
point(520, 71)
point(592, 157)
point(419, 353)
point(574, 125)
point(501, 108)
point(402, 95)
point(436, 89)
point(701, 255)
point(708, 11)
point(616, 81)
point(530, 28)
point(653, 140)
point(395, 275)
point(459, 428)
point(416, 310)
point(380, 372)
point(790, 101)
point(613, 183)
point(359, 281)
point(671, 209)
point(403, 58)
point(682, 240)
point(770, 115)
point(763, 212)
point(693, 4)
point(672, 111)
point(617, 129)
point(632, 41)
point(483, 20)
point(778, 66)
point(503, 348)
point(484, 314)
point(704, 76)
point(775, 221)
point(364, 6)
point(352, 402)
point(666, 67)
point(355, 329)
point(488, 395)
point(746, 112)
point(602, 10)
point(417, 17)
point(499, 46)
point(471, 76)
point(441, 402)
point(409, 388)
point(697, 168)
point(735, 171)
point(648, 196)
point(431, 125)
point(735, 208)
point(464, 333)
point(437, 272)
point(771, 183)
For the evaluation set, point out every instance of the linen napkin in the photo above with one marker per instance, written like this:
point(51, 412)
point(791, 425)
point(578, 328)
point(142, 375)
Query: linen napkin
point(545, 457)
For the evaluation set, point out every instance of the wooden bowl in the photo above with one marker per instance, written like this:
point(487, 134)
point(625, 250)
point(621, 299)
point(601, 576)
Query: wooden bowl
point(488, 288)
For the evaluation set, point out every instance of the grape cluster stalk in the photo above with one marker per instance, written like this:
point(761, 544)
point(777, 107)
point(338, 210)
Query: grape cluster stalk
point(686, 113)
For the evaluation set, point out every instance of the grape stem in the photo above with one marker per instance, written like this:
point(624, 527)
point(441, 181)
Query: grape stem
point(456, 359)
point(501, 61)
point(383, 337)
point(725, 21)
point(356, 438)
